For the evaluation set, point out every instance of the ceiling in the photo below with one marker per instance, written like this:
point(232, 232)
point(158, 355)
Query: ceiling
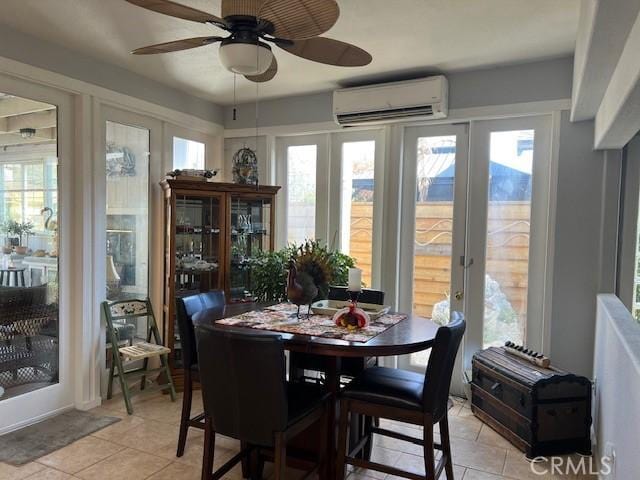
point(18, 113)
point(405, 37)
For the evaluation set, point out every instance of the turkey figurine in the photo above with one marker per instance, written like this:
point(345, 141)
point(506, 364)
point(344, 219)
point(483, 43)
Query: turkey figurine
point(301, 290)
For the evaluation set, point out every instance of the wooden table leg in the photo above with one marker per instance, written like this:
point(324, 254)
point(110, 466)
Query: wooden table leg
point(332, 382)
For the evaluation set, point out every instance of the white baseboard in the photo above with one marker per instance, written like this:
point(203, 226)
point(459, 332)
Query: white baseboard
point(90, 404)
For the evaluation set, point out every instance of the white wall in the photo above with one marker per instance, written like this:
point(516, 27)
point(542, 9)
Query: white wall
point(617, 392)
point(528, 82)
point(55, 58)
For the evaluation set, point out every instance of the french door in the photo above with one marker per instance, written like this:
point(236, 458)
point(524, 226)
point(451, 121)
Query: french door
point(475, 215)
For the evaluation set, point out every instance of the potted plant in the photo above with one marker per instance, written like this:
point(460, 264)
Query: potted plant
point(325, 266)
point(22, 230)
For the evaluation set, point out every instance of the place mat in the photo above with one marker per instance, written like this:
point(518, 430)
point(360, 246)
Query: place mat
point(282, 318)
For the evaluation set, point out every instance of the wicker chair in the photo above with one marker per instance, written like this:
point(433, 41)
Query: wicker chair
point(28, 336)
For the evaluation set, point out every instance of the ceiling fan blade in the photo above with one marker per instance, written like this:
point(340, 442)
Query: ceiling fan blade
point(266, 76)
point(329, 51)
point(299, 19)
point(180, 11)
point(249, 8)
point(176, 45)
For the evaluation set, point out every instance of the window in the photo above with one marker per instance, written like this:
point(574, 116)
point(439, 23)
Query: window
point(187, 154)
point(26, 187)
point(301, 192)
point(356, 226)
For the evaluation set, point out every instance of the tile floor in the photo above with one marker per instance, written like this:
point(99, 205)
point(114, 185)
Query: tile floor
point(143, 446)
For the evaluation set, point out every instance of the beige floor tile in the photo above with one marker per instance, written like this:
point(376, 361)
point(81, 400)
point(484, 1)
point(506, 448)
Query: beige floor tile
point(489, 436)
point(153, 437)
point(382, 455)
point(518, 467)
point(50, 474)
point(477, 456)
point(79, 455)
point(177, 471)
point(467, 427)
point(115, 432)
point(471, 474)
point(129, 464)
point(9, 472)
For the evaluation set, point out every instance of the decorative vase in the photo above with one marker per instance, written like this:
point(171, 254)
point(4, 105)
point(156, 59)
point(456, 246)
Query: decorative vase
point(352, 317)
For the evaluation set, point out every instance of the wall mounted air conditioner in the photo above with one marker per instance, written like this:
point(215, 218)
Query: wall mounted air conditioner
point(421, 99)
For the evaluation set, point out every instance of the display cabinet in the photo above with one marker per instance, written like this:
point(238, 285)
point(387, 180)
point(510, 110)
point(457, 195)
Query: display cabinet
point(212, 231)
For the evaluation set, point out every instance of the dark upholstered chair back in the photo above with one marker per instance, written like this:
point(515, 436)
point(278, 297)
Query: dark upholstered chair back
point(440, 368)
point(243, 381)
point(366, 296)
point(186, 308)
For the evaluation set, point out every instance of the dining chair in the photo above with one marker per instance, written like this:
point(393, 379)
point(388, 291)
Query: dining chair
point(407, 397)
point(127, 355)
point(187, 310)
point(349, 367)
point(246, 397)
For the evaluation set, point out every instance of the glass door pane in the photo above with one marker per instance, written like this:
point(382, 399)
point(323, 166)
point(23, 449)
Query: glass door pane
point(198, 240)
point(435, 175)
point(507, 241)
point(29, 239)
point(127, 165)
point(301, 193)
point(250, 234)
point(356, 226)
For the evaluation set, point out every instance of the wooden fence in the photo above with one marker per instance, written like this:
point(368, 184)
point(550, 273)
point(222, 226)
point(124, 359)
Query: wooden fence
point(507, 250)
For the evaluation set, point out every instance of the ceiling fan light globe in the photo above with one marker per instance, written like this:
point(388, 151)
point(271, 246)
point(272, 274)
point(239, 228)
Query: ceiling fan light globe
point(245, 58)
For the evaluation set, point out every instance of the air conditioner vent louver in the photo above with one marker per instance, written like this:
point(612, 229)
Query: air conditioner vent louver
point(379, 115)
point(424, 98)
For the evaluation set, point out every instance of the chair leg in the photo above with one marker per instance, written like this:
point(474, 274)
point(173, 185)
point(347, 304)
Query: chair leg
point(110, 385)
point(164, 361)
point(187, 398)
point(124, 386)
point(281, 456)
point(342, 439)
point(143, 379)
point(325, 425)
point(368, 426)
point(209, 449)
point(429, 456)
point(446, 446)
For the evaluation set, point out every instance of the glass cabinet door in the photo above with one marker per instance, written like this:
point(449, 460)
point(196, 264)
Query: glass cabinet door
point(198, 249)
point(250, 231)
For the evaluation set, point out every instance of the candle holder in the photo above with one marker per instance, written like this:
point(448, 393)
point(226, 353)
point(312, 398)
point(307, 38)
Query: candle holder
point(354, 296)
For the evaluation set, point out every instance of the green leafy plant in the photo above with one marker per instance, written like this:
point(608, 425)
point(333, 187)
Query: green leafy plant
point(19, 229)
point(325, 266)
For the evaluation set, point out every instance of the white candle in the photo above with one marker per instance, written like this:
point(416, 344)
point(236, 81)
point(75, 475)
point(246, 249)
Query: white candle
point(355, 280)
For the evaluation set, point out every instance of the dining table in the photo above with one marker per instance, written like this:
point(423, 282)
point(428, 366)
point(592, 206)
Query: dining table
point(410, 335)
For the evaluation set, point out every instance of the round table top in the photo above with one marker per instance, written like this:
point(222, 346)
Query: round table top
point(414, 334)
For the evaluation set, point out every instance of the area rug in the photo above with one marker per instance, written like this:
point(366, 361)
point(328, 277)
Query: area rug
point(283, 318)
point(32, 442)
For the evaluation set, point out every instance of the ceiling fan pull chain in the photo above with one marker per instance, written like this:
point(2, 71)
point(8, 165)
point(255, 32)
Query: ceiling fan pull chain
point(235, 105)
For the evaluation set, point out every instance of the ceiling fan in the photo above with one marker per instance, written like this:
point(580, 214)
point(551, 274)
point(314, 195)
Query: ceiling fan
point(293, 25)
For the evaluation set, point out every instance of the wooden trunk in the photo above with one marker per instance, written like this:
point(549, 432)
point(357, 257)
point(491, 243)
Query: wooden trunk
point(542, 411)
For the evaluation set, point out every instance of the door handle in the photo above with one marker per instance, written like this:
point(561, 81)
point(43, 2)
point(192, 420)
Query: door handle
point(459, 295)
